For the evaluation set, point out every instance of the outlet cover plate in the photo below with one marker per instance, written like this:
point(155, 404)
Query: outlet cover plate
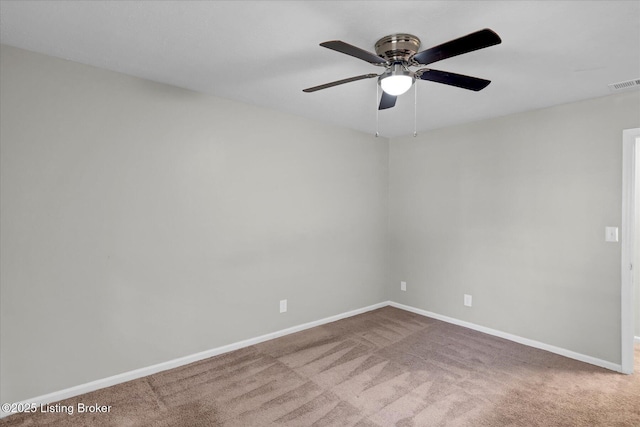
point(467, 300)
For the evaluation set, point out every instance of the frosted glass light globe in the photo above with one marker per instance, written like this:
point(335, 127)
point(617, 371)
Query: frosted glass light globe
point(396, 84)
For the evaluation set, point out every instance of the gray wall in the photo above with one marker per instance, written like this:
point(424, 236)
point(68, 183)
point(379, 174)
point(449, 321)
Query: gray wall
point(513, 211)
point(141, 222)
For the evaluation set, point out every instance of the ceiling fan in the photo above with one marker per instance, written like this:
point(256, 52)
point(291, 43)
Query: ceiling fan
point(397, 52)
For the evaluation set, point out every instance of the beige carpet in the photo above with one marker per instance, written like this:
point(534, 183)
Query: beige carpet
point(387, 367)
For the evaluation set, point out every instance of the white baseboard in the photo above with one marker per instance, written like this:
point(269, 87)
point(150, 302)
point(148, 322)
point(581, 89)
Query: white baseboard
point(181, 361)
point(531, 343)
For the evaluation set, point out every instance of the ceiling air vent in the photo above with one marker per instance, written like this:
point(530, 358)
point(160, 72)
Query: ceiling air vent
point(629, 84)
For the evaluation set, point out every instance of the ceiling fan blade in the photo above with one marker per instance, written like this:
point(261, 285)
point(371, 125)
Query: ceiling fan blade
point(387, 101)
point(453, 79)
point(340, 82)
point(356, 52)
point(469, 43)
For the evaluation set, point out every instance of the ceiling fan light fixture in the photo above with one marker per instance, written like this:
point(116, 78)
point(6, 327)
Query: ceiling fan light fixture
point(397, 80)
point(396, 85)
point(398, 52)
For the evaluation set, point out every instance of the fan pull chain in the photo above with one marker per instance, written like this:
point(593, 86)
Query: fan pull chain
point(415, 110)
point(377, 96)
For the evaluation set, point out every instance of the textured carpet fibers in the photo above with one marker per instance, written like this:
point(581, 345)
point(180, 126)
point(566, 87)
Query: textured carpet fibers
point(387, 367)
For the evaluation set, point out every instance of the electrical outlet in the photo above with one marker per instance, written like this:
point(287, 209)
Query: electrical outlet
point(283, 306)
point(467, 300)
point(403, 286)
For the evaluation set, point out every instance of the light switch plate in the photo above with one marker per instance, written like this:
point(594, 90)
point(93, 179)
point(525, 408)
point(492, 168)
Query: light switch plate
point(403, 286)
point(611, 234)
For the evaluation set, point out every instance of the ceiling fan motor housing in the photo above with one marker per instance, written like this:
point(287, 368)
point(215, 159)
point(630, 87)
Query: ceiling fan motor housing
point(397, 47)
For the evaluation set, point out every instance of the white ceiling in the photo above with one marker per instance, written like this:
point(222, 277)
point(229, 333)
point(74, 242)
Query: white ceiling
point(266, 52)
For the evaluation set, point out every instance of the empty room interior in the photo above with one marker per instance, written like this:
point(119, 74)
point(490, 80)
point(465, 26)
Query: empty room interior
point(235, 214)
